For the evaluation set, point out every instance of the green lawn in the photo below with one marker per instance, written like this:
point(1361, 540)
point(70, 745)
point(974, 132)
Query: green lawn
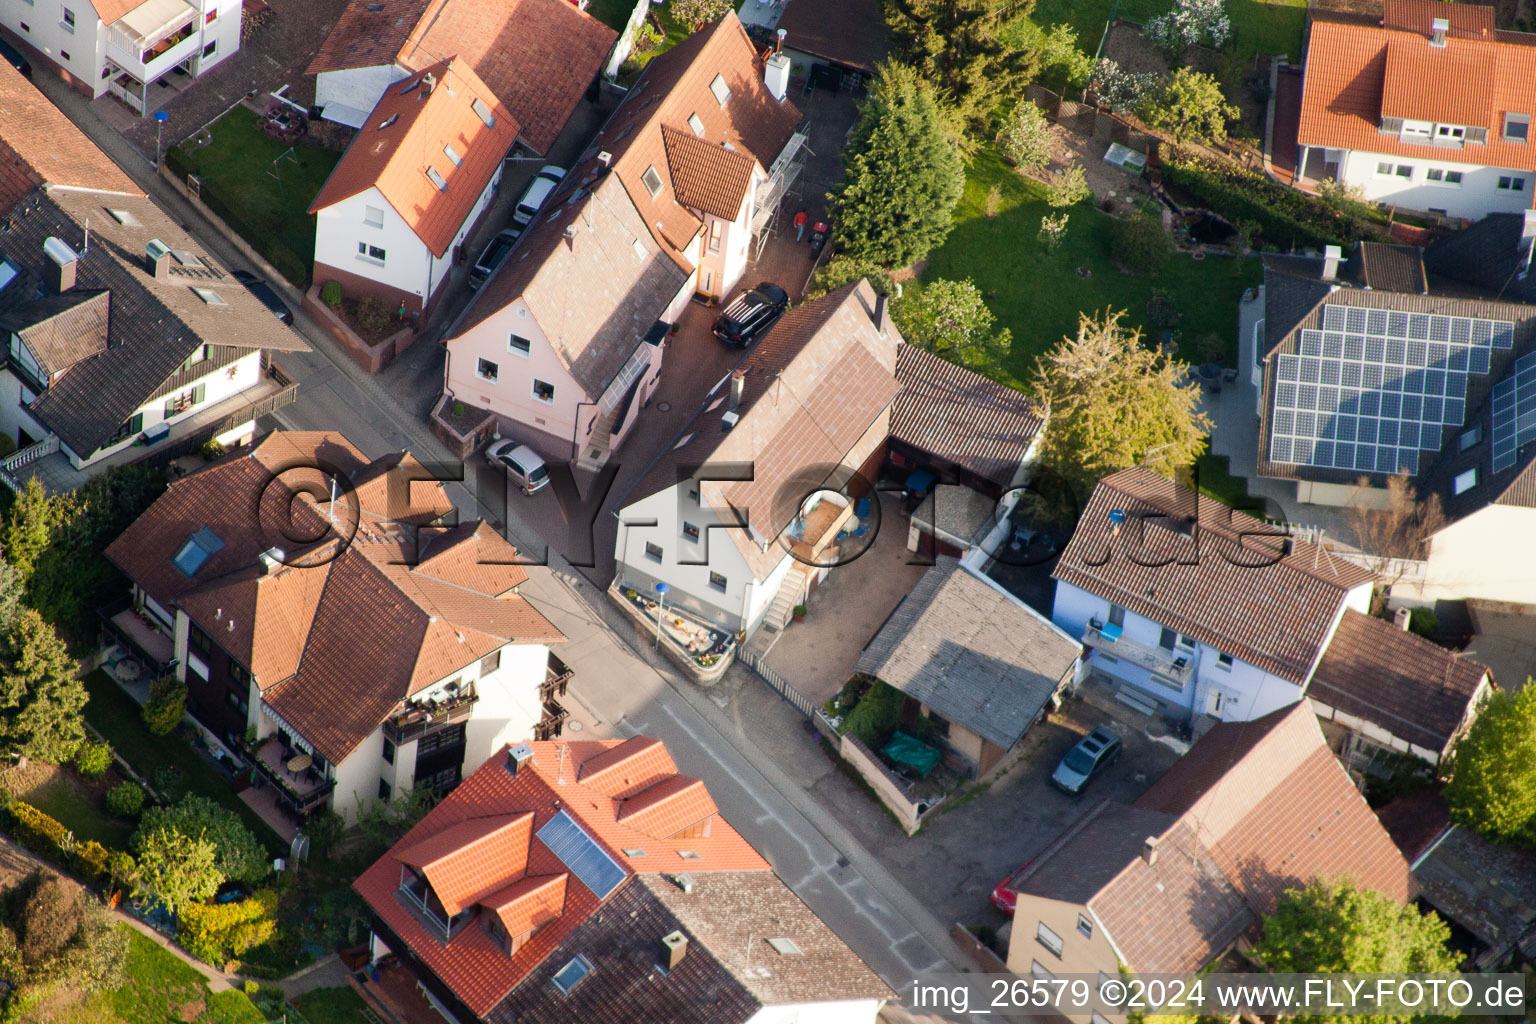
point(77, 810)
point(159, 989)
point(1258, 26)
point(264, 202)
point(1037, 294)
point(332, 1006)
point(114, 714)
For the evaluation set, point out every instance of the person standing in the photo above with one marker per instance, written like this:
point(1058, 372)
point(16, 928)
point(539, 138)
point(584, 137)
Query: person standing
point(801, 220)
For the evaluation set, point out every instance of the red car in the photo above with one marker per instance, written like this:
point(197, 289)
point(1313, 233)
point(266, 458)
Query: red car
point(1004, 898)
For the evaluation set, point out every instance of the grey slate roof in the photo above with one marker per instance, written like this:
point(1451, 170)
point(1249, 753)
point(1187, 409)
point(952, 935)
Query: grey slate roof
point(152, 326)
point(971, 653)
point(1087, 857)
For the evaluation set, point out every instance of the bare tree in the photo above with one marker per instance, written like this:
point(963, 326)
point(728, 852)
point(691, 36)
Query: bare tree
point(1399, 531)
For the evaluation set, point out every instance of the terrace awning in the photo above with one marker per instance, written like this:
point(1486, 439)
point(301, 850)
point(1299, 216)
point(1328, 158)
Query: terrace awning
point(154, 20)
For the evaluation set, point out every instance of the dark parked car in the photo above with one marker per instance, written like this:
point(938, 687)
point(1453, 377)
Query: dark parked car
point(750, 315)
point(263, 292)
point(494, 254)
point(14, 58)
point(1092, 754)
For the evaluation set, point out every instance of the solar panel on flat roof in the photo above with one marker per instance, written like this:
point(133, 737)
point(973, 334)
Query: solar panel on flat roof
point(578, 851)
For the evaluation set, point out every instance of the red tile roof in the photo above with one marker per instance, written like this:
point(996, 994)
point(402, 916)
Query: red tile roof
point(668, 807)
point(1260, 806)
point(1227, 584)
point(1356, 74)
point(1468, 21)
point(39, 144)
point(537, 56)
point(463, 863)
point(579, 779)
point(1414, 689)
point(407, 134)
point(530, 902)
point(343, 632)
point(707, 176)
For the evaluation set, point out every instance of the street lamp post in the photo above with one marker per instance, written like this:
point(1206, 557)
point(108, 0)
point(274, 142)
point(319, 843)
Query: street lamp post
point(661, 588)
point(160, 118)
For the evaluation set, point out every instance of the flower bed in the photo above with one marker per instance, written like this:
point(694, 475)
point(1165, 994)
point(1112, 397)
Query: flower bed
point(704, 643)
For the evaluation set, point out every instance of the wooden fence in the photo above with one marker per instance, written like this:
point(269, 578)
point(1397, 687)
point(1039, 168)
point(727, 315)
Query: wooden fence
point(1088, 120)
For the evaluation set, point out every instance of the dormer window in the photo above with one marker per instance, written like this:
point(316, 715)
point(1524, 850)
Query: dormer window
point(1418, 131)
point(1451, 134)
point(1517, 128)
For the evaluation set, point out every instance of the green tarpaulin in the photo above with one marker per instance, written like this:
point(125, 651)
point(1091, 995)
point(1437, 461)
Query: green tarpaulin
point(903, 749)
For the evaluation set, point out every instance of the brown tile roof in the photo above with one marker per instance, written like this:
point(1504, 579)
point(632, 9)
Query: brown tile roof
point(815, 396)
point(594, 279)
point(335, 639)
point(537, 56)
point(962, 417)
point(1358, 73)
point(707, 176)
point(674, 87)
point(1226, 583)
point(407, 134)
point(1414, 689)
point(1468, 21)
point(1254, 808)
point(61, 330)
point(39, 144)
point(852, 32)
point(550, 783)
point(368, 33)
point(1391, 268)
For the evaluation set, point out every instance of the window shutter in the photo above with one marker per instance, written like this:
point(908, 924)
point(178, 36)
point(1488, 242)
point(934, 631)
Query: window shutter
point(1392, 125)
point(1477, 136)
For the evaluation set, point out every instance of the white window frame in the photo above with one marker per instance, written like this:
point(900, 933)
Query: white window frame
point(1511, 183)
point(366, 253)
point(534, 390)
point(452, 154)
point(1224, 661)
point(721, 91)
point(697, 124)
point(650, 174)
point(724, 584)
point(436, 177)
point(1049, 939)
point(1084, 926)
point(67, 22)
point(1441, 177)
point(1511, 117)
point(373, 216)
point(1450, 133)
point(525, 352)
point(480, 366)
point(1417, 131)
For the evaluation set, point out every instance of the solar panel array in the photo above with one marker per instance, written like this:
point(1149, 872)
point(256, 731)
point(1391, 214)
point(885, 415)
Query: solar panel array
point(1374, 388)
point(579, 851)
point(1514, 412)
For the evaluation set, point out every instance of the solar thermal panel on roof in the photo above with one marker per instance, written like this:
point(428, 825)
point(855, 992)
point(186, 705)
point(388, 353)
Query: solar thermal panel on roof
point(578, 851)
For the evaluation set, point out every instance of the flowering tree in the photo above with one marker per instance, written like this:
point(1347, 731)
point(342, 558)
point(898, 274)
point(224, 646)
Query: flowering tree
point(1053, 228)
point(1026, 136)
point(1118, 88)
point(1190, 23)
point(698, 12)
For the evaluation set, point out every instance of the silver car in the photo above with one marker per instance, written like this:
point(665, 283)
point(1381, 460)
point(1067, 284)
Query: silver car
point(522, 464)
point(1090, 756)
point(537, 194)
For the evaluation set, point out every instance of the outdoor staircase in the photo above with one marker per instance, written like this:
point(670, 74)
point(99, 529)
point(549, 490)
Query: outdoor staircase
point(598, 446)
point(783, 607)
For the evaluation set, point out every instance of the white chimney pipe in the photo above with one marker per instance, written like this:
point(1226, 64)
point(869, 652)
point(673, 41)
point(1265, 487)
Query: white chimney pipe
point(1437, 30)
point(1332, 257)
point(776, 75)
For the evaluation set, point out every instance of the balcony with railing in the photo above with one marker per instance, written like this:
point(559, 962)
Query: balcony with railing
point(153, 38)
point(301, 786)
point(1169, 667)
point(557, 677)
point(553, 723)
point(415, 720)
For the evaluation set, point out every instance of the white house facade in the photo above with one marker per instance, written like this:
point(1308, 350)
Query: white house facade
point(127, 54)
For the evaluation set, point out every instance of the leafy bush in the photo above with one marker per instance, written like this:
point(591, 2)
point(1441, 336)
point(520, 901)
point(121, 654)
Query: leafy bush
point(166, 706)
point(92, 860)
point(1142, 244)
point(240, 855)
point(1424, 622)
point(211, 450)
point(876, 715)
point(841, 270)
point(1282, 216)
point(1189, 105)
point(219, 932)
point(1025, 138)
point(1118, 88)
point(697, 12)
point(93, 759)
point(325, 831)
point(1067, 187)
point(1190, 23)
point(125, 800)
point(39, 832)
point(53, 935)
point(331, 293)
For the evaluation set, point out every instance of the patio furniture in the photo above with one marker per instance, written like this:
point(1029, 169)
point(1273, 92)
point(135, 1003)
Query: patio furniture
point(299, 763)
point(862, 530)
point(861, 509)
point(919, 481)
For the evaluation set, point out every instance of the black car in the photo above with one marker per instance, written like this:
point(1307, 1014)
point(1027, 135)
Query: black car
point(751, 314)
point(264, 293)
point(14, 58)
point(1092, 754)
point(496, 251)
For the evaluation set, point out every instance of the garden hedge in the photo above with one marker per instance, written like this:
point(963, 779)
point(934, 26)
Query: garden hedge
point(1287, 218)
point(39, 832)
point(219, 932)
